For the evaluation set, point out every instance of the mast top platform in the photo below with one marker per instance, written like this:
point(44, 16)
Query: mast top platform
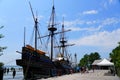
point(52, 29)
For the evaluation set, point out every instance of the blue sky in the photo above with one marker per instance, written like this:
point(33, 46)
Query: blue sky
point(95, 25)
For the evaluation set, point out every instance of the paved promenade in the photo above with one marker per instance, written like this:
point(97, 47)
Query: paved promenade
point(96, 75)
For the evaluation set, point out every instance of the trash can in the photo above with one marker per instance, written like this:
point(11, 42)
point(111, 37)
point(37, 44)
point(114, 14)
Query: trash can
point(1, 73)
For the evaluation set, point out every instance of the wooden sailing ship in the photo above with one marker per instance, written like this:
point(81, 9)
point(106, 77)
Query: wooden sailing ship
point(35, 63)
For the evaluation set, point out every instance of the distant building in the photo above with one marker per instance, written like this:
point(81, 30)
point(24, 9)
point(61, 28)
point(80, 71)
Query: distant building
point(94, 64)
point(102, 64)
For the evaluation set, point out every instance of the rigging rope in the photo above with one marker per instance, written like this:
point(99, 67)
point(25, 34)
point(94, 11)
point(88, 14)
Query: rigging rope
point(31, 39)
point(11, 61)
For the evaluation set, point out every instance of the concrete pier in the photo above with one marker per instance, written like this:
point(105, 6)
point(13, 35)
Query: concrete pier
point(96, 75)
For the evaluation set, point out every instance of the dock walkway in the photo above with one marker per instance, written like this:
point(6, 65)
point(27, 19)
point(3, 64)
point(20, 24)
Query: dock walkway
point(96, 75)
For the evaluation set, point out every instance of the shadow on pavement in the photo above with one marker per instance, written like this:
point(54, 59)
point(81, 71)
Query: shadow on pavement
point(109, 74)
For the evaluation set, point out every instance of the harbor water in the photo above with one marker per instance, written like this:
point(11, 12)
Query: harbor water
point(9, 76)
point(8, 73)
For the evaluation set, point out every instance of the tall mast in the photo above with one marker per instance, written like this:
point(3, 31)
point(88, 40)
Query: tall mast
point(36, 26)
point(52, 28)
point(63, 41)
point(24, 35)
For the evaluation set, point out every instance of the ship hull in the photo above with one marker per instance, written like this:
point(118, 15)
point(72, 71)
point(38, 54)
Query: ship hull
point(35, 65)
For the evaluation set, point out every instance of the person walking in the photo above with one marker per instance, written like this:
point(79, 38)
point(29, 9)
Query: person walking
point(7, 70)
point(14, 73)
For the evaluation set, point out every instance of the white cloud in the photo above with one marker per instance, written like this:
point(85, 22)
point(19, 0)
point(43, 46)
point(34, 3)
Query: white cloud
point(75, 25)
point(101, 39)
point(90, 12)
point(83, 29)
point(74, 22)
point(108, 22)
point(108, 3)
point(74, 28)
point(94, 25)
point(91, 22)
point(40, 17)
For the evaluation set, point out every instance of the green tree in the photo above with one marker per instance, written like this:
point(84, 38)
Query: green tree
point(84, 60)
point(1, 36)
point(1, 64)
point(115, 56)
point(87, 60)
point(1, 48)
point(93, 56)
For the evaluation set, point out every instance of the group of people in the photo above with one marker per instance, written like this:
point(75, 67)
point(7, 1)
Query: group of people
point(7, 70)
point(81, 69)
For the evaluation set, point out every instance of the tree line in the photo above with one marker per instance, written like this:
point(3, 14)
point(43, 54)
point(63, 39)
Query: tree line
point(88, 59)
point(115, 58)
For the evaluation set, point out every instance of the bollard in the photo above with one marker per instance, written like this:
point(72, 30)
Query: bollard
point(1, 73)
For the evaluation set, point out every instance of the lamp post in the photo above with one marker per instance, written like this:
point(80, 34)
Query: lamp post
point(75, 60)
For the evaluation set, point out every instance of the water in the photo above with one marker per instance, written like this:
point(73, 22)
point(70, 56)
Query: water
point(19, 76)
